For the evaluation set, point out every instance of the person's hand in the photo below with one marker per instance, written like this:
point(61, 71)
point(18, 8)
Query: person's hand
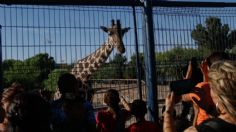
point(125, 103)
point(199, 99)
point(170, 102)
point(189, 71)
point(204, 67)
point(190, 65)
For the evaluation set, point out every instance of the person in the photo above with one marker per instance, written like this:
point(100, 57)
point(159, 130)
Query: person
point(205, 110)
point(113, 118)
point(7, 97)
point(139, 109)
point(67, 109)
point(222, 80)
point(180, 123)
point(161, 119)
point(193, 74)
point(193, 71)
point(29, 112)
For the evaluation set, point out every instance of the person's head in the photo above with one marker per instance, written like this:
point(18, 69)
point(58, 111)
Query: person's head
point(67, 83)
point(222, 80)
point(29, 112)
point(112, 98)
point(216, 56)
point(194, 62)
point(90, 94)
point(9, 94)
point(138, 108)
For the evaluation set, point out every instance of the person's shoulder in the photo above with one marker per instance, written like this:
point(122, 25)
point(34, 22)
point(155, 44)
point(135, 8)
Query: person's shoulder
point(151, 125)
point(56, 103)
point(216, 125)
point(88, 105)
point(131, 127)
point(103, 115)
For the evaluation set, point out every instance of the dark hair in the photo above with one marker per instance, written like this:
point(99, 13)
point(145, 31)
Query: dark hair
point(194, 62)
point(112, 98)
point(138, 108)
point(10, 92)
point(67, 83)
point(196, 71)
point(217, 56)
point(29, 112)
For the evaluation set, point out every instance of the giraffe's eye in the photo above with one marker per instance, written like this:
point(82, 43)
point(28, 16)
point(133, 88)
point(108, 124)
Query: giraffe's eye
point(110, 33)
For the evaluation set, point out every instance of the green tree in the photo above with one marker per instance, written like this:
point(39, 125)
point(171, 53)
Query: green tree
point(104, 72)
point(51, 83)
point(113, 70)
point(118, 63)
point(30, 72)
point(131, 68)
point(214, 35)
point(43, 62)
point(171, 62)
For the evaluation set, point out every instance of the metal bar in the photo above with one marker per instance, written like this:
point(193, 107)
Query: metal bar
point(74, 2)
point(192, 4)
point(119, 3)
point(1, 67)
point(138, 69)
point(150, 63)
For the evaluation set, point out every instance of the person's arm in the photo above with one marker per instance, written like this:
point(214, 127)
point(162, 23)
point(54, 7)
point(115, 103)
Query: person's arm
point(191, 129)
point(168, 125)
point(196, 111)
point(204, 68)
point(189, 71)
point(125, 103)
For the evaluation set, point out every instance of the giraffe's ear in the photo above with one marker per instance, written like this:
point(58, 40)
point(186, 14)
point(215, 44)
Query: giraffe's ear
point(124, 30)
point(105, 29)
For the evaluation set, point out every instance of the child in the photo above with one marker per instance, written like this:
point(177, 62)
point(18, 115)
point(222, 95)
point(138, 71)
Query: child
point(138, 109)
point(113, 118)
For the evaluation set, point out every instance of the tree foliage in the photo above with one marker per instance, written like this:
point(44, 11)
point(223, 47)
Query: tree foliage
point(113, 70)
point(171, 62)
point(131, 70)
point(51, 83)
point(214, 35)
point(30, 72)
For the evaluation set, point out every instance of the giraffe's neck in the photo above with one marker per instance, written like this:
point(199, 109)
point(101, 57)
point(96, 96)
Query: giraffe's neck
point(85, 67)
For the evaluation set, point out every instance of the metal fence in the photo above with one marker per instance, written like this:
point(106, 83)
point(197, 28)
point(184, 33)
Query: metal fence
point(68, 33)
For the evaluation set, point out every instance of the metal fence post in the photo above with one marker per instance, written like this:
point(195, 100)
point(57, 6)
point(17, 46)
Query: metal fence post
point(138, 68)
point(1, 68)
point(150, 62)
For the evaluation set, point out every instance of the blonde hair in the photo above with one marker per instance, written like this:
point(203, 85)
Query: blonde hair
point(222, 79)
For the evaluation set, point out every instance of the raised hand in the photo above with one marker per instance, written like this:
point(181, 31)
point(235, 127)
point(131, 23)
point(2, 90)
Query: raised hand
point(170, 102)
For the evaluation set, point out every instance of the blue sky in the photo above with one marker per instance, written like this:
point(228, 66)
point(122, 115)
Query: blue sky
point(70, 33)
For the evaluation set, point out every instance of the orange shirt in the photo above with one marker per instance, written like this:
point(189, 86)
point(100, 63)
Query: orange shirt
point(202, 114)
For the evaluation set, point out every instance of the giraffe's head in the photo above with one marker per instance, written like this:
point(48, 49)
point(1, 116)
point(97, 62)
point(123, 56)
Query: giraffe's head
point(115, 34)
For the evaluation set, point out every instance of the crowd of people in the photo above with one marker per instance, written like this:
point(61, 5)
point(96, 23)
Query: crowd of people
point(212, 98)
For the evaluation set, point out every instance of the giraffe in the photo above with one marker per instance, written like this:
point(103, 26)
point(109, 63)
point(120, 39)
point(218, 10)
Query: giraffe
point(84, 68)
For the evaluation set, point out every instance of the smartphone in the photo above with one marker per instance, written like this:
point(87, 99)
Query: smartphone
point(180, 87)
